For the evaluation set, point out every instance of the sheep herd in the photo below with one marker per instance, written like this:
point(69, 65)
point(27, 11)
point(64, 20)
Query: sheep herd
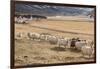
point(25, 19)
point(86, 47)
point(22, 20)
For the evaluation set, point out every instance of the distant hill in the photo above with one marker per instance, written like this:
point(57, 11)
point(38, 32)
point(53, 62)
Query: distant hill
point(50, 10)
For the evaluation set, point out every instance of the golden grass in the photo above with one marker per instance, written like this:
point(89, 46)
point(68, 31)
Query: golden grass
point(78, 27)
point(34, 52)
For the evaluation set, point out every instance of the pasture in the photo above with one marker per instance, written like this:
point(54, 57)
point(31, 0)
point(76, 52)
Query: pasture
point(39, 52)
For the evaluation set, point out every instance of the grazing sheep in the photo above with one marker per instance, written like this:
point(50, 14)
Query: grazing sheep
point(47, 37)
point(43, 37)
point(33, 36)
point(87, 51)
point(80, 44)
point(21, 20)
point(52, 39)
point(69, 42)
point(62, 42)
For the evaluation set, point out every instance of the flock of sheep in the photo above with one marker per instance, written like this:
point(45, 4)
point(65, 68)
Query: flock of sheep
point(86, 47)
point(22, 20)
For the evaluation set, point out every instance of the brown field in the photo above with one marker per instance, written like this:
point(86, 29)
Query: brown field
point(35, 52)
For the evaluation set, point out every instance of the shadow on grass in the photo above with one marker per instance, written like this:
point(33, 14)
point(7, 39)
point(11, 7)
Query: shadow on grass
point(74, 50)
point(58, 49)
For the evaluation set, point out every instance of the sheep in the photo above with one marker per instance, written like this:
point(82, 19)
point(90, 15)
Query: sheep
point(72, 43)
point(80, 44)
point(90, 42)
point(48, 37)
point(25, 20)
point(16, 20)
point(33, 36)
point(69, 40)
point(18, 36)
point(62, 42)
point(52, 39)
point(87, 51)
point(43, 37)
point(21, 20)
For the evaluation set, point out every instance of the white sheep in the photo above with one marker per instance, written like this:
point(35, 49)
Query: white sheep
point(52, 39)
point(43, 37)
point(87, 51)
point(33, 36)
point(18, 35)
point(80, 44)
point(62, 42)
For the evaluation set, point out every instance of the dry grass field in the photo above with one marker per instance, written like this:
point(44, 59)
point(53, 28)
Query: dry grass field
point(38, 52)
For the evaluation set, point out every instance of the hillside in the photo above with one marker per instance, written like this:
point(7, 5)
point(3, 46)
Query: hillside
point(48, 10)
